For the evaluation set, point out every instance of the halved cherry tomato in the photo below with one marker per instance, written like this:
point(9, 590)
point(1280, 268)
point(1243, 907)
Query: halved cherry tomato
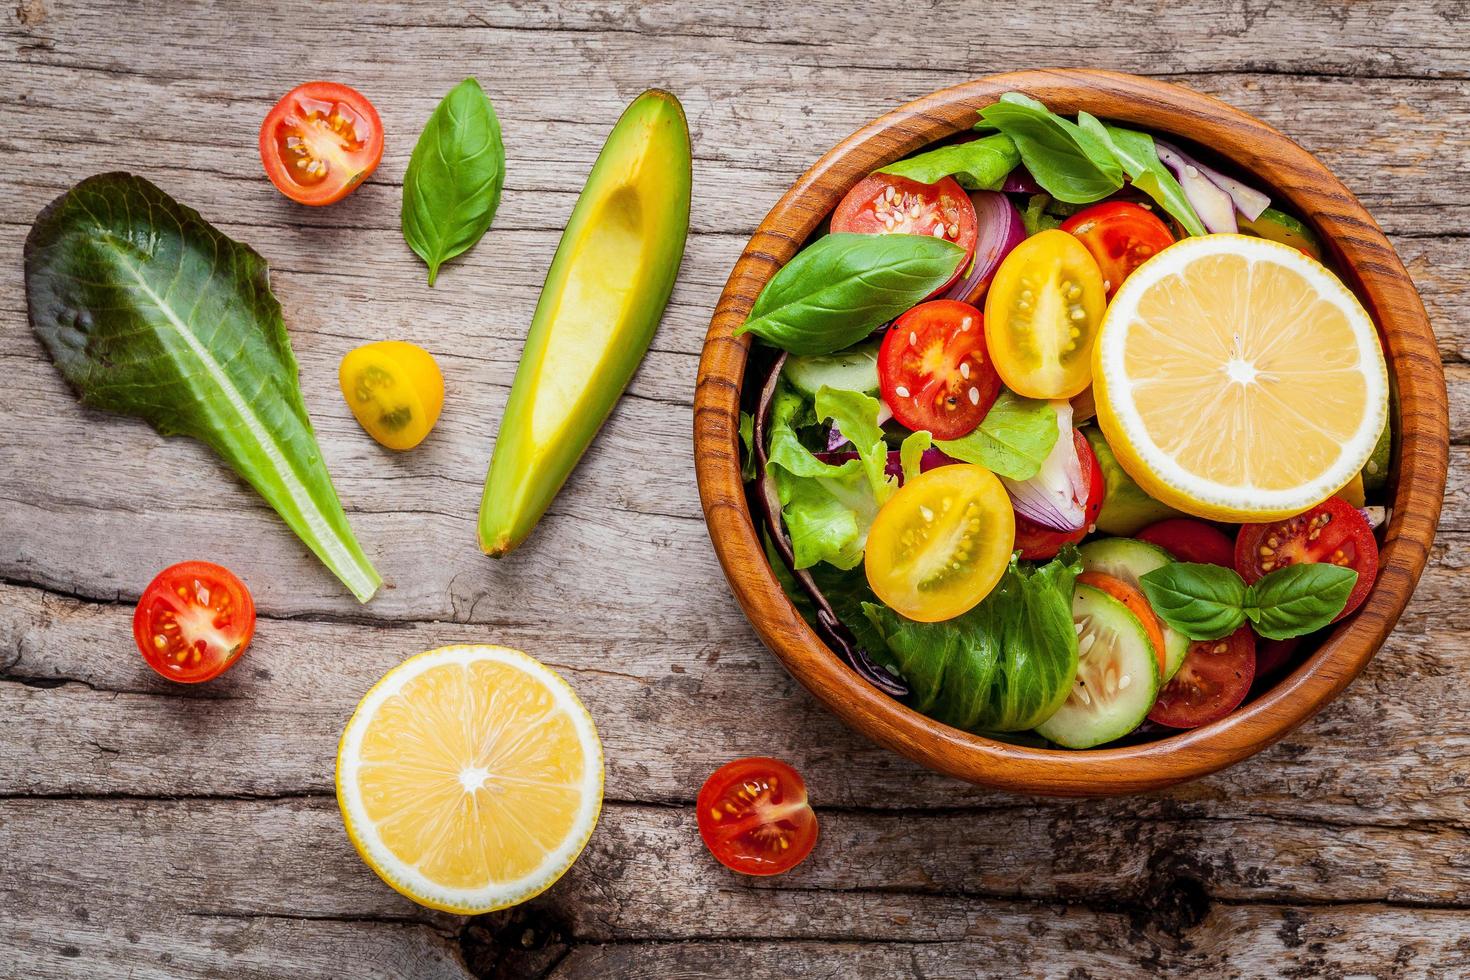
point(1137, 604)
point(1333, 531)
point(1215, 677)
point(1038, 542)
point(320, 141)
point(1042, 315)
point(1272, 655)
point(193, 621)
point(934, 370)
point(1121, 236)
point(939, 544)
point(886, 204)
point(754, 816)
point(394, 389)
point(1189, 540)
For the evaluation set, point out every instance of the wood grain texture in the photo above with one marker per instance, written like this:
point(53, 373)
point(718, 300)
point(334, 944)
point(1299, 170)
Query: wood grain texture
point(1339, 851)
point(1368, 264)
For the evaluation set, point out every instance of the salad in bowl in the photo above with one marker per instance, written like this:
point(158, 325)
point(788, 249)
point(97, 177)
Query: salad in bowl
point(1061, 436)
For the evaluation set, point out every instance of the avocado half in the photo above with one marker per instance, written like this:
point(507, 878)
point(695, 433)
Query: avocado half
point(601, 303)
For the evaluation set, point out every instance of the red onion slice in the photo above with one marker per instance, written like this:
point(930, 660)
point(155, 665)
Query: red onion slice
point(1056, 496)
point(1020, 181)
point(1248, 201)
point(1215, 208)
point(1000, 230)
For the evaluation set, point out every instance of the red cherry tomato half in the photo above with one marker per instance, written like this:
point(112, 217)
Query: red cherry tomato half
point(1039, 542)
point(320, 141)
point(1189, 540)
point(1121, 236)
point(1272, 655)
point(1333, 531)
point(754, 816)
point(886, 204)
point(1215, 677)
point(934, 369)
point(193, 621)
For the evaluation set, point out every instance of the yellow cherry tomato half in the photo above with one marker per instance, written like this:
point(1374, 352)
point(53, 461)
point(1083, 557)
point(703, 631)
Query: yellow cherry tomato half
point(941, 542)
point(1041, 316)
point(394, 389)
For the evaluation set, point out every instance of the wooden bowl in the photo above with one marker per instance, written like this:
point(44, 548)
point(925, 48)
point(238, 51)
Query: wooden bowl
point(1368, 265)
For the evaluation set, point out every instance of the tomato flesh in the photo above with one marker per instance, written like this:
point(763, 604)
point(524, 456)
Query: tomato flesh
point(1042, 314)
point(193, 621)
point(1215, 677)
point(1137, 604)
point(1121, 236)
point(939, 544)
point(886, 204)
point(754, 816)
point(320, 141)
point(1037, 542)
point(1190, 540)
point(934, 369)
point(1333, 531)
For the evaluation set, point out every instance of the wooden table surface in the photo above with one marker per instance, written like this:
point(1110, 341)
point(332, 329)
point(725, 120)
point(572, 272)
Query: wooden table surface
point(153, 830)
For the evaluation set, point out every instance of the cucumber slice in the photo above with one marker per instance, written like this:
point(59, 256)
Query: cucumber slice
point(854, 369)
point(1375, 471)
point(1117, 674)
point(1281, 227)
point(1130, 560)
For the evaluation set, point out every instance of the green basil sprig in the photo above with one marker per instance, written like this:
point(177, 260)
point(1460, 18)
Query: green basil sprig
point(1206, 602)
point(842, 287)
point(980, 165)
point(452, 187)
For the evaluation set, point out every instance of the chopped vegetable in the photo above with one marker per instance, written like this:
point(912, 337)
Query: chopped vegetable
point(1004, 666)
point(940, 543)
point(395, 391)
point(1214, 679)
point(1012, 441)
point(320, 142)
point(754, 816)
point(1121, 236)
point(603, 298)
point(452, 187)
point(1333, 531)
point(1000, 230)
point(1056, 496)
point(1209, 200)
point(934, 370)
point(1250, 202)
point(150, 311)
point(885, 204)
point(1037, 542)
point(193, 621)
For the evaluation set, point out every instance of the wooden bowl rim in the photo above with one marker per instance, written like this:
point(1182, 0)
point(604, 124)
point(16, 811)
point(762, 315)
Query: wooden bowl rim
point(1361, 250)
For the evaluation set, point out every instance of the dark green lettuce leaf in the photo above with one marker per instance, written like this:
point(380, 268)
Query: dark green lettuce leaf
point(1004, 666)
point(150, 311)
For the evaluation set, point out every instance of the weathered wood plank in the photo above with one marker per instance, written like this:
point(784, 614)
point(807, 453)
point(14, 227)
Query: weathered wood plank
point(650, 694)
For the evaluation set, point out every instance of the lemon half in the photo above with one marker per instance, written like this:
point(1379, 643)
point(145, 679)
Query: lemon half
point(1236, 379)
point(470, 778)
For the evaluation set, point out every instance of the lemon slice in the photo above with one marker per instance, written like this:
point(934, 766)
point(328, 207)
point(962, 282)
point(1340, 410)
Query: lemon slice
point(470, 778)
point(1238, 380)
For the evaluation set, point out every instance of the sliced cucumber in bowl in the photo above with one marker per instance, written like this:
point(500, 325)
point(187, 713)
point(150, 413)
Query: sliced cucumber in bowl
point(854, 369)
point(1117, 674)
point(1129, 559)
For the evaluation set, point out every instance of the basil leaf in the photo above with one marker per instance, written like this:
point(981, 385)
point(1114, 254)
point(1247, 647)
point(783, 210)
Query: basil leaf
point(1068, 162)
point(1201, 601)
point(1012, 441)
point(1136, 152)
point(148, 310)
point(1004, 666)
point(454, 178)
point(1298, 599)
point(842, 287)
point(980, 165)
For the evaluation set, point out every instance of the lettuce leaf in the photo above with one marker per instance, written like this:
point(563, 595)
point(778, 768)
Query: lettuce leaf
point(1004, 666)
point(829, 507)
point(980, 165)
point(149, 310)
point(1012, 441)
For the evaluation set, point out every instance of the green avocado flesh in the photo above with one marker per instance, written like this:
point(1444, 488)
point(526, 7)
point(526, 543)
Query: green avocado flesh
point(1126, 509)
point(602, 301)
